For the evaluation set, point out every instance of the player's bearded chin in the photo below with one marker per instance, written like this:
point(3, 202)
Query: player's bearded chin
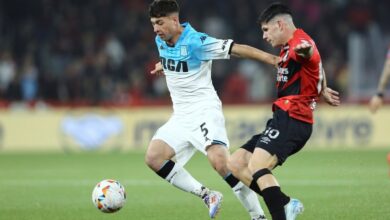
point(168, 37)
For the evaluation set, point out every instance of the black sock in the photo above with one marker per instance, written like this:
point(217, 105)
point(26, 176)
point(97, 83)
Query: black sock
point(255, 187)
point(275, 200)
point(231, 180)
point(166, 169)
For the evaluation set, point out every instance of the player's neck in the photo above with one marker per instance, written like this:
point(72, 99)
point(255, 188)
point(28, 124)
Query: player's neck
point(176, 36)
point(290, 33)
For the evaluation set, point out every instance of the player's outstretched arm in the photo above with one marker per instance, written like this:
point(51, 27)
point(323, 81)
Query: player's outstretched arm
point(245, 51)
point(377, 100)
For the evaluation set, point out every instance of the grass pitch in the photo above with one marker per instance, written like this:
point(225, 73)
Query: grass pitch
point(351, 184)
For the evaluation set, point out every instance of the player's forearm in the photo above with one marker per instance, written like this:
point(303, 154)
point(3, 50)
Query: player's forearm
point(245, 51)
point(324, 82)
point(384, 77)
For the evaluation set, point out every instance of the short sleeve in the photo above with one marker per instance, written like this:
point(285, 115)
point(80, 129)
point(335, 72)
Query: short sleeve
point(209, 48)
point(299, 58)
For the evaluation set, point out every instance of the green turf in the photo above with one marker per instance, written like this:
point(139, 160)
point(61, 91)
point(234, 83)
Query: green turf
point(331, 184)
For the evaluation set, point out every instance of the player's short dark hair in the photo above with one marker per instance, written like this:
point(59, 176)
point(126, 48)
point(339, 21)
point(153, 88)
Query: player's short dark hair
point(162, 8)
point(273, 10)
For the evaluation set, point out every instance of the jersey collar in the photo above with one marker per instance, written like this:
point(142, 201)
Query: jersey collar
point(187, 28)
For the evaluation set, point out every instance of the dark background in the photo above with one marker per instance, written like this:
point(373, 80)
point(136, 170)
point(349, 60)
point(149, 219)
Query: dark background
point(100, 52)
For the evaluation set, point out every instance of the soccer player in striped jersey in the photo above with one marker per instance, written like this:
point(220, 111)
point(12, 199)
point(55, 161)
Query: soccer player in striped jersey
point(300, 80)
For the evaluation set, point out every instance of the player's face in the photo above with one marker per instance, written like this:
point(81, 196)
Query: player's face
point(272, 33)
point(164, 27)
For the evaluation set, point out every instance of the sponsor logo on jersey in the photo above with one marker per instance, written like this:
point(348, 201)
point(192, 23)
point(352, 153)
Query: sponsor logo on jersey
point(174, 65)
point(282, 75)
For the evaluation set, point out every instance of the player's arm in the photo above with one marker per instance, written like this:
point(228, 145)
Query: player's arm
point(245, 51)
point(377, 100)
point(305, 50)
point(330, 96)
point(158, 69)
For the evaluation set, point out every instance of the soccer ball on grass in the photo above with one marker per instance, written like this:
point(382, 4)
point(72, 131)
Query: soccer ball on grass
point(109, 196)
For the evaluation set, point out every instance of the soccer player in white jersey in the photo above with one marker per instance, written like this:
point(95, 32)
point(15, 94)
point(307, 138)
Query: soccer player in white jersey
point(197, 122)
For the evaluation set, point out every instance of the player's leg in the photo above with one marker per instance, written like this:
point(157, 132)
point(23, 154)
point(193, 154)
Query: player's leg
point(282, 137)
point(159, 158)
point(261, 165)
point(239, 161)
point(218, 156)
point(211, 137)
point(238, 165)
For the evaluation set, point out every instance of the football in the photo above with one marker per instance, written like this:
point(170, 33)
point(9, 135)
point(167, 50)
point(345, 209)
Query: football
point(109, 196)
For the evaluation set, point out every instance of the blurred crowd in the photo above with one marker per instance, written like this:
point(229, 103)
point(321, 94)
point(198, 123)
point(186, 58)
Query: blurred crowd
point(96, 52)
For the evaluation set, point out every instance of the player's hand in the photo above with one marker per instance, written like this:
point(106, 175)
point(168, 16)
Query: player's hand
point(331, 96)
point(375, 103)
point(158, 69)
point(304, 49)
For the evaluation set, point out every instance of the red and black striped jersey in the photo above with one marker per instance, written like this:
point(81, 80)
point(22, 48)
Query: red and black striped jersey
point(299, 80)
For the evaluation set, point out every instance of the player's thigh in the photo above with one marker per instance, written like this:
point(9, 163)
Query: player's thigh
point(209, 130)
point(175, 136)
point(239, 159)
point(157, 153)
point(283, 136)
point(261, 159)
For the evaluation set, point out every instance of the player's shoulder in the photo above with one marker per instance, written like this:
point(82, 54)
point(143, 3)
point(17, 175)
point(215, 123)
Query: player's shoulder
point(192, 35)
point(301, 36)
point(197, 38)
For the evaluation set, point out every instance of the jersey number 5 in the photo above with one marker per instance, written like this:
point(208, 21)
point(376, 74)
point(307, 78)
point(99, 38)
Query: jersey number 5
point(204, 130)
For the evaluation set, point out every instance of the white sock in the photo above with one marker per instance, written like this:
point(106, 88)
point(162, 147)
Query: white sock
point(182, 179)
point(248, 199)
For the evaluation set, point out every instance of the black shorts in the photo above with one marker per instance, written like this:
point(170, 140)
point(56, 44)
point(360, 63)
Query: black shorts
point(283, 136)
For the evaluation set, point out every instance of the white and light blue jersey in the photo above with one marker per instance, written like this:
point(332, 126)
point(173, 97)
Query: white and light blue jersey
point(187, 67)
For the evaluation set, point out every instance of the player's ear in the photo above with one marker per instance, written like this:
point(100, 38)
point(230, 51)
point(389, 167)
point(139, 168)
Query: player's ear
point(280, 24)
point(175, 19)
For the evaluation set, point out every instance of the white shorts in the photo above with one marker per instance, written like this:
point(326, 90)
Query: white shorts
point(194, 132)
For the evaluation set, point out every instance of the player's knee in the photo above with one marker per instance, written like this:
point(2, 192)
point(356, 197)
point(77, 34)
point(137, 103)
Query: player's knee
point(149, 160)
point(221, 167)
point(255, 165)
point(154, 160)
point(235, 165)
point(219, 163)
point(157, 153)
point(262, 160)
point(218, 159)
